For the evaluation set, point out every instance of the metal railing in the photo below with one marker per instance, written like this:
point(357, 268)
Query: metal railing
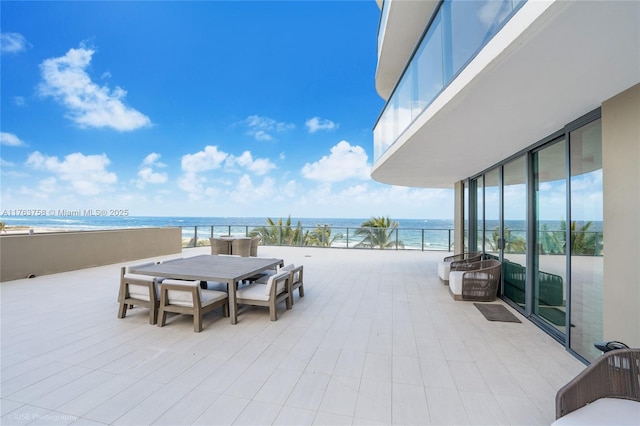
point(327, 236)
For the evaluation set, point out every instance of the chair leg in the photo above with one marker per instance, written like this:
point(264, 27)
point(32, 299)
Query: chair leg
point(153, 314)
point(197, 322)
point(272, 311)
point(301, 290)
point(162, 317)
point(122, 310)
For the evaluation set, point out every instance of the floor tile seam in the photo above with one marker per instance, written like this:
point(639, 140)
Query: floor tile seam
point(68, 366)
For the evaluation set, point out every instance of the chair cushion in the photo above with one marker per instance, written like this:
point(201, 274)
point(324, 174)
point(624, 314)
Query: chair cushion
point(604, 411)
point(443, 270)
point(182, 298)
point(252, 292)
point(140, 292)
point(138, 277)
point(280, 285)
point(455, 281)
point(207, 297)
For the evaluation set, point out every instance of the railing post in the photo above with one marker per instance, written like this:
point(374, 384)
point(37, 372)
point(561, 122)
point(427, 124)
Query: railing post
point(195, 236)
point(449, 246)
point(422, 241)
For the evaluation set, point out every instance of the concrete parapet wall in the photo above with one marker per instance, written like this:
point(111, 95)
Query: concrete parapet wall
point(22, 255)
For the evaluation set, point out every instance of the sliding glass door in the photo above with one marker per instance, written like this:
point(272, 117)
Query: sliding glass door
point(514, 253)
point(550, 260)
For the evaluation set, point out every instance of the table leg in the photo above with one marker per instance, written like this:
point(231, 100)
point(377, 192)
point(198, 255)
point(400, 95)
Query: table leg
point(233, 306)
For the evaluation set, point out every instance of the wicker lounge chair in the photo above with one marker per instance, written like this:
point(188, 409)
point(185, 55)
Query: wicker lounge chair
point(444, 267)
point(608, 390)
point(477, 281)
point(241, 247)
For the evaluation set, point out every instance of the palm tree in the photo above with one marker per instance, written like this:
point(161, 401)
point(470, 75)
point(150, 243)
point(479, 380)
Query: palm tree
point(512, 243)
point(3, 227)
point(378, 232)
point(321, 237)
point(280, 233)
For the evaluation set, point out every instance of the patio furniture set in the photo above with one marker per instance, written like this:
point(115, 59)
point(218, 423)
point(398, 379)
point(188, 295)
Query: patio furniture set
point(197, 285)
point(471, 276)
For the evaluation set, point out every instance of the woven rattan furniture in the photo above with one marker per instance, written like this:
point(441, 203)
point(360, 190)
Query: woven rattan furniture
point(187, 298)
point(444, 267)
point(241, 247)
point(477, 281)
point(255, 242)
point(616, 374)
point(219, 246)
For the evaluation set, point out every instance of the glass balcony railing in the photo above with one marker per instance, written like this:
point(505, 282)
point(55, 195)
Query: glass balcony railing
point(327, 236)
point(458, 31)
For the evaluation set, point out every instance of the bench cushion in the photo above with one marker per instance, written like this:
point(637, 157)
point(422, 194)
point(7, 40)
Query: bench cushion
point(604, 411)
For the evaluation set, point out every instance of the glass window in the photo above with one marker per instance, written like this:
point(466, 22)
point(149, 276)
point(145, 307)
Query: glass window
point(587, 239)
point(492, 211)
point(515, 229)
point(480, 213)
point(550, 256)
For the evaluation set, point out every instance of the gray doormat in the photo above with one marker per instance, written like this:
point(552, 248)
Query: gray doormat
point(496, 312)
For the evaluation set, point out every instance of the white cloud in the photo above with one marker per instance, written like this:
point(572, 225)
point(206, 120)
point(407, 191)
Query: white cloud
point(193, 165)
point(344, 162)
point(316, 123)
point(146, 173)
point(259, 166)
point(262, 128)
point(86, 174)
point(208, 159)
point(19, 101)
point(90, 105)
point(9, 139)
point(13, 43)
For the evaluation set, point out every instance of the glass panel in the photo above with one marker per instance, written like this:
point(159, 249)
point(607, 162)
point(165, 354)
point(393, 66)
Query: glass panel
point(466, 216)
point(550, 256)
point(586, 239)
point(404, 98)
point(515, 229)
point(473, 23)
point(429, 67)
point(492, 211)
point(480, 213)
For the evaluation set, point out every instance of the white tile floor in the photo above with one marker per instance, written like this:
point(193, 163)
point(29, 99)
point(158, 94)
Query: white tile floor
point(376, 340)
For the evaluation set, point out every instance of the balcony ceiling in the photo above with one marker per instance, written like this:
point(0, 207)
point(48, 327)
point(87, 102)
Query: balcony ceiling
point(552, 63)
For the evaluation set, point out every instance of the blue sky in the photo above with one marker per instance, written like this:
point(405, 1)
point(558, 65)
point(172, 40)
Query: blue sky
point(258, 109)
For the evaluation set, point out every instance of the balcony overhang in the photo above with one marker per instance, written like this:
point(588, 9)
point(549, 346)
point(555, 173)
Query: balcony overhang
point(551, 63)
point(406, 21)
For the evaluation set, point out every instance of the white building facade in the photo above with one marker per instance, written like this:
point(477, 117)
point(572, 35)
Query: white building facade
point(530, 110)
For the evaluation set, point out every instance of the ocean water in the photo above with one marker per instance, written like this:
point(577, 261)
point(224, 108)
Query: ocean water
point(420, 234)
point(428, 234)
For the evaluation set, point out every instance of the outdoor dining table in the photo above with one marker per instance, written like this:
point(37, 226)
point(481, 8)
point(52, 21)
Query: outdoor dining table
point(227, 269)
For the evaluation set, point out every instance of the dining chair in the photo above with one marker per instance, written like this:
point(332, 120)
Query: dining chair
point(255, 242)
point(241, 247)
point(296, 281)
point(140, 290)
point(219, 246)
point(275, 291)
point(187, 298)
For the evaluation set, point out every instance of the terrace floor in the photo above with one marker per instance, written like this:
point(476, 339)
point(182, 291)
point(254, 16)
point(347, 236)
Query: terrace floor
point(377, 339)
